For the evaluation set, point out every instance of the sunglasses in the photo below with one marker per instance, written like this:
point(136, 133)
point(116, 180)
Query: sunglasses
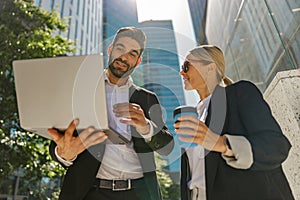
point(186, 64)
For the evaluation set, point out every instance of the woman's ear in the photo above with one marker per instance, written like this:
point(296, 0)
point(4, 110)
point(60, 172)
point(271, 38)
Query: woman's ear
point(212, 67)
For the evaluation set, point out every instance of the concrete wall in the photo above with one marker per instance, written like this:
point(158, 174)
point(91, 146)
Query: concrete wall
point(283, 96)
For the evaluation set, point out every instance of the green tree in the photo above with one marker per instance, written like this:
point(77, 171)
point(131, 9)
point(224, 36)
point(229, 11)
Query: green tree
point(25, 32)
point(169, 189)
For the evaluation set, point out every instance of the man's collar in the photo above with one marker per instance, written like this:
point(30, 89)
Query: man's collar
point(128, 83)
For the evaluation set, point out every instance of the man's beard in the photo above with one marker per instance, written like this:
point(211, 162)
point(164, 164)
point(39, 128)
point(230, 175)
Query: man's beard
point(120, 73)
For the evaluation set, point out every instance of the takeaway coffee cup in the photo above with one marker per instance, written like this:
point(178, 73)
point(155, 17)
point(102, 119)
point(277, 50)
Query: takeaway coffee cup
point(184, 111)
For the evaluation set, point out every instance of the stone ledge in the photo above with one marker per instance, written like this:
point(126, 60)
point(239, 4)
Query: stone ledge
point(283, 96)
point(279, 76)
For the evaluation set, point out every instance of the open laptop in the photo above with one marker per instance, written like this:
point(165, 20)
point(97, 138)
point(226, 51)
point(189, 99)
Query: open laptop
point(53, 91)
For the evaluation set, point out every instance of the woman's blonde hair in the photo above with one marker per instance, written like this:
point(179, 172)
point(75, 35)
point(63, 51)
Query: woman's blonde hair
point(212, 54)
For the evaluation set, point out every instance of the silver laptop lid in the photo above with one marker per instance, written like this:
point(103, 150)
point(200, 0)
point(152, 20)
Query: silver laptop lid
point(53, 91)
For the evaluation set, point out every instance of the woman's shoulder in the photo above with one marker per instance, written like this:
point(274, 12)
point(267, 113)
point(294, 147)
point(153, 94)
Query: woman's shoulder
point(243, 86)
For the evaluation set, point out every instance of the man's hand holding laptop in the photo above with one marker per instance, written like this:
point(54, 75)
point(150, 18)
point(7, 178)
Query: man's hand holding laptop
point(69, 146)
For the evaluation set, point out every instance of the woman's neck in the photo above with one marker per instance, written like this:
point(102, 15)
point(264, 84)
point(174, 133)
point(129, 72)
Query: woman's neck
point(206, 91)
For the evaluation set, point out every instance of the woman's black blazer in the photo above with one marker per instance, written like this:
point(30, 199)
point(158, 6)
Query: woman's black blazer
point(239, 109)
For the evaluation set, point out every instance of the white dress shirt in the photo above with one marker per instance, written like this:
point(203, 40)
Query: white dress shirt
point(240, 146)
point(120, 162)
point(196, 157)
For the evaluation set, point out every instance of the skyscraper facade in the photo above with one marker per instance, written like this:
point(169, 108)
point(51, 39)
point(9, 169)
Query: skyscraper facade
point(84, 18)
point(116, 16)
point(198, 14)
point(259, 38)
point(160, 69)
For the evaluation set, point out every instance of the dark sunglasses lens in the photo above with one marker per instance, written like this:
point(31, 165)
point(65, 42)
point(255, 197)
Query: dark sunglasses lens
point(185, 66)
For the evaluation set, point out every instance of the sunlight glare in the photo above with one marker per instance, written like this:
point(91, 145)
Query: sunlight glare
point(156, 9)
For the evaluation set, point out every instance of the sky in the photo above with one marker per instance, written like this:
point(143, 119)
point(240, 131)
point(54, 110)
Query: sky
point(178, 12)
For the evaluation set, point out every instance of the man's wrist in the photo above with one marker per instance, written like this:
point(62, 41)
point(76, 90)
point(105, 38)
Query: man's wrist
point(148, 136)
point(64, 161)
point(144, 130)
point(62, 157)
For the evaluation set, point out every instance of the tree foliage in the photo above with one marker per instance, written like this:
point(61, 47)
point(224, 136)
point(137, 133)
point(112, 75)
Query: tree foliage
point(169, 189)
point(29, 32)
point(25, 32)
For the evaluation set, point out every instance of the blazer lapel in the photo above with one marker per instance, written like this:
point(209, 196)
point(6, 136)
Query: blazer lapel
point(133, 98)
point(185, 176)
point(215, 121)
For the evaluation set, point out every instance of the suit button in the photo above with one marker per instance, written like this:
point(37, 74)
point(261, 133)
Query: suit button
point(156, 145)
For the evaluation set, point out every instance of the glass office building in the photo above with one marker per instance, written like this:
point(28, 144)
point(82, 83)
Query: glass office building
point(84, 18)
point(115, 17)
point(259, 38)
point(160, 69)
point(198, 13)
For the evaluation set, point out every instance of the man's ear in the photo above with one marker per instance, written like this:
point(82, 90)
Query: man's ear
point(109, 49)
point(139, 61)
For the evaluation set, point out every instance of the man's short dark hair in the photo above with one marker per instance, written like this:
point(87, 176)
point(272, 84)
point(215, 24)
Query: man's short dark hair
point(134, 33)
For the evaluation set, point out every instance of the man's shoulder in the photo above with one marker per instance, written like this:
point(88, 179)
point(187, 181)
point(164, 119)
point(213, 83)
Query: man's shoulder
point(142, 90)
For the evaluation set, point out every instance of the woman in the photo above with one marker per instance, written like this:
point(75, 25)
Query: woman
point(240, 145)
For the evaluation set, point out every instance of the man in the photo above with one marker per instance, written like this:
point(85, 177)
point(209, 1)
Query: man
point(102, 170)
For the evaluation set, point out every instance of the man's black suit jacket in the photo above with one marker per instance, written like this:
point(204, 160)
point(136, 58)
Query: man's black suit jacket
point(81, 175)
point(239, 109)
